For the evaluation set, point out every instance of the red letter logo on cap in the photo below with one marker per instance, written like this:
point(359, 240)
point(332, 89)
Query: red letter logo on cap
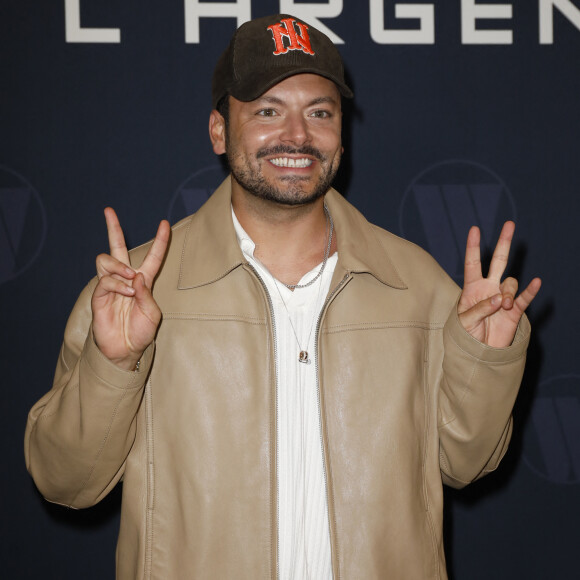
point(298, 41)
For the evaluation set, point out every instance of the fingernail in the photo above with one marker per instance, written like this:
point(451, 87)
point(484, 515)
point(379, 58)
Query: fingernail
point(496, 300)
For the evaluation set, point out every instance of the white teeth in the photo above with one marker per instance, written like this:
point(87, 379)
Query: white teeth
point(289, 162)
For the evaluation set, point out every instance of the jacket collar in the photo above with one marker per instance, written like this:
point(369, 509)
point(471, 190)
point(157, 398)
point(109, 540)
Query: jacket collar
point(210, 249)
point(359, 247)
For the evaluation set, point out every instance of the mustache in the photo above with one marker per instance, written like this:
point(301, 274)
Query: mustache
point(285, 149)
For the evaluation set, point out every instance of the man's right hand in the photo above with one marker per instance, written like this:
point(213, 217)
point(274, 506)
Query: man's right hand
point(125, 315)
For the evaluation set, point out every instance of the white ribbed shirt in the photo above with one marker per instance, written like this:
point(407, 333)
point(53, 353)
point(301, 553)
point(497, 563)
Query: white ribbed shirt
point(303, 528)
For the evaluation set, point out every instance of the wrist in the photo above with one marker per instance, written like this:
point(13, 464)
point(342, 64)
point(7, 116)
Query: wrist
point(130, 362)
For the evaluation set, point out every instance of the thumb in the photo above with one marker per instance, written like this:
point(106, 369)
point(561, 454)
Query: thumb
point(479, 312)
point(144, 299)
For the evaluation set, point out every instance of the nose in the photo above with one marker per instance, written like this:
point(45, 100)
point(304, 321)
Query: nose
point(295, 130)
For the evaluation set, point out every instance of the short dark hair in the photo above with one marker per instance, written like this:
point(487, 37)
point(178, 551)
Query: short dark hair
point(223, 108)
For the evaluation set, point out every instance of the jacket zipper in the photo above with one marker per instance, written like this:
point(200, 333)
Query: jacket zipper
point(316, 338)
point(275, 342)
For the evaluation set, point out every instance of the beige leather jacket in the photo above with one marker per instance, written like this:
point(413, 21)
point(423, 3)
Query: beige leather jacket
point(408, 399)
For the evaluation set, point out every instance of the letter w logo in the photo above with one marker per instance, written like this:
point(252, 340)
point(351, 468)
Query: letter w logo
point(298, 41)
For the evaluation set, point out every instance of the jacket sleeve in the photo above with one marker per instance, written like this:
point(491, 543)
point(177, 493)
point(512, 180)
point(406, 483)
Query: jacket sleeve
point(478, 389)
point(79, 434)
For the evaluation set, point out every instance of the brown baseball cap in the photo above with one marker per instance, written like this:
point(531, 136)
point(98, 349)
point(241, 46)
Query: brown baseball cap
point(267, 50)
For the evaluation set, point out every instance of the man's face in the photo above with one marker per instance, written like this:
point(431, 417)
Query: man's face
point(286, 145)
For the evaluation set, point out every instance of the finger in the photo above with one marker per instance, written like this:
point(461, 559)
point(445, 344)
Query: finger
point(156, 253)
point(472, 265)
point(526, 297)
point(501, 252)
point(145, 300)
point(479, 312)
point(508, 289)
point(107, 266)
point(116, 238)
point(110, 285)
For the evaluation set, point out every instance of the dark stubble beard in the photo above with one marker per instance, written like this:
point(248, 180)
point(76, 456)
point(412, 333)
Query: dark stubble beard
point(295, 193)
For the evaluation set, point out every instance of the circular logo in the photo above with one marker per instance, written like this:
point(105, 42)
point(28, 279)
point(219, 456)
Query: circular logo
point(195, 191)
point(445, 200)
point(552, 434)
point(22, 224)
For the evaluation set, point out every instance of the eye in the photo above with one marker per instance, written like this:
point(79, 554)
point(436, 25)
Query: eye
point(267, 113)
point(321, 114)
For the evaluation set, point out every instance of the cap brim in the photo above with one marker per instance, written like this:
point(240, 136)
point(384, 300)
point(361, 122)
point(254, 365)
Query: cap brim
point(250, 89)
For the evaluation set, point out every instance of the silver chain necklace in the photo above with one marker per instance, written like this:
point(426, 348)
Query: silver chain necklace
point(330, 228)
point(303, 356)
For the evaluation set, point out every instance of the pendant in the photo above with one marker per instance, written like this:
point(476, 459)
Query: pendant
point(303, 358)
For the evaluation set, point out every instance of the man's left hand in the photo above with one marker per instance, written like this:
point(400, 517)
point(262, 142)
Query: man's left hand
point(488, 308)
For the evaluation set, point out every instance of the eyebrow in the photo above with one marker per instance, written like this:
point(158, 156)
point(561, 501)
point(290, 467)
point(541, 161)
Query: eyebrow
point(322, 100)
point(317, 101)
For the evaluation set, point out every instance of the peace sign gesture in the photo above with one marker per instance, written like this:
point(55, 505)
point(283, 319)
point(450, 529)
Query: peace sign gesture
point(488, 308)
point(125, 315)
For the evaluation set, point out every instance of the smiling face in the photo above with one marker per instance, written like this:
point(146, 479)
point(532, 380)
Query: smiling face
point(285, 146)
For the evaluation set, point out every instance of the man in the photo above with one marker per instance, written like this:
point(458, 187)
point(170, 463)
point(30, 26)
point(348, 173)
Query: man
point(289, 395)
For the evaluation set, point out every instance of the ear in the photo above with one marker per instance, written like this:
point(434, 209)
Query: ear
point(217, 132)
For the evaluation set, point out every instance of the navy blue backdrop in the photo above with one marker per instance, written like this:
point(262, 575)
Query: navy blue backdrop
point(465, 112)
